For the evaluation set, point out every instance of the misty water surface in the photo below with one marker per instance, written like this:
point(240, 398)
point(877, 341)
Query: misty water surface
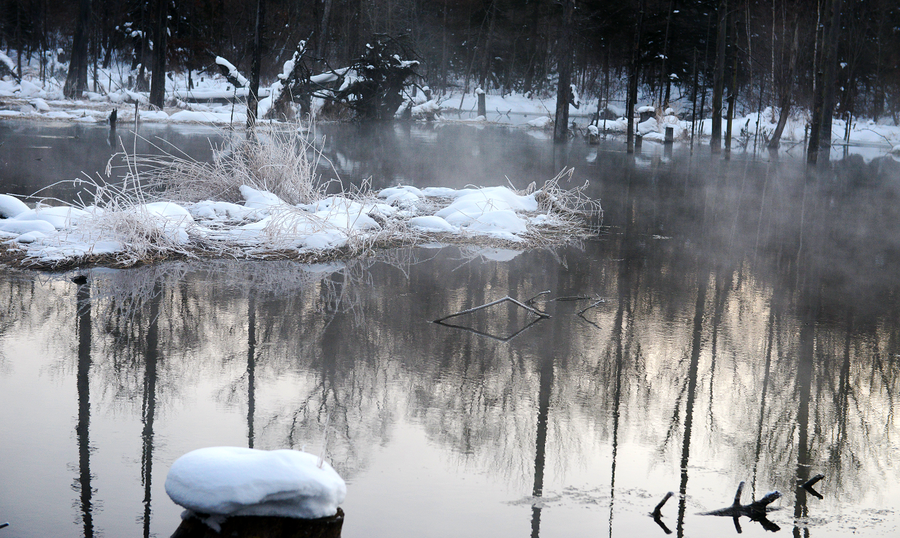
point(738, 320)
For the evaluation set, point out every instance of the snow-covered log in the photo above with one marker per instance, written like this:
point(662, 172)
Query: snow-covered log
point(293, 79)
point(8, 67)
point(231, 73)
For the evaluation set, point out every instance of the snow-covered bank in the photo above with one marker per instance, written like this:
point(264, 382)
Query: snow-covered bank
point(213, 100)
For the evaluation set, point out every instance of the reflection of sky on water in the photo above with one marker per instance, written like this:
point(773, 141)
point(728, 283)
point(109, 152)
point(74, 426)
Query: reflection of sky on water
point(758, 306)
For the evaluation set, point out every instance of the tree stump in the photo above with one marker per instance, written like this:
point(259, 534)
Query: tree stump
point(263, 527)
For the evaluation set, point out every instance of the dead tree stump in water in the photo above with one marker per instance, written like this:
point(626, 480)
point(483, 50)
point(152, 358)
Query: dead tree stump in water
point(263, 527)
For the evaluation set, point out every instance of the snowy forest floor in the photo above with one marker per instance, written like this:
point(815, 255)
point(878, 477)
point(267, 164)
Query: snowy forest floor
point(213, 101)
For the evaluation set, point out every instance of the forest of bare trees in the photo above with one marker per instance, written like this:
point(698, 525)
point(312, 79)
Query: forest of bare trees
point(702, 56)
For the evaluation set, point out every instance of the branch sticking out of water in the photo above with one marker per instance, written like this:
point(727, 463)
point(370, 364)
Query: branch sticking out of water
point(492, 303)
point(808, 485)
point(657, 512)
point(756, 510)
point(812, 481)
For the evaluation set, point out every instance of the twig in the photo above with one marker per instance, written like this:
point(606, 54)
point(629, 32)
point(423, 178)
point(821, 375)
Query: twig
point(533, 299)
point(657, 514)
point(657, 511)
point(595, 303)
point(572, 298)
point(812, 481)
point(490, 304)
point(489, 335)
point(808, 486)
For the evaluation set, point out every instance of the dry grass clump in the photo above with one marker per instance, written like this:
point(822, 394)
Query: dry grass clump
point(284, 164)
point(281, 162)
point(573, 211)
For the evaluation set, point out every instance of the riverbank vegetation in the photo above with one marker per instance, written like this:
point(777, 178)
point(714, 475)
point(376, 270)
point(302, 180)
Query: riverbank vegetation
point(262, 198)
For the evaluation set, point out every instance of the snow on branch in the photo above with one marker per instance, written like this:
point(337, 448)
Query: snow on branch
point(231, 73)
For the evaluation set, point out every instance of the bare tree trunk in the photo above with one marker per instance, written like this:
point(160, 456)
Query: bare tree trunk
point(787, 85)
point(664, 81)
point(253, 95)
point(831, 60)
point(820, 128)
point(531, 71)
point(878, 98)
point(444, 49)
point(322, 41)
point(486, 53)
point(631, 103)
point(564, 92)
point(158, 76)
point(732, 91)
point(715, 141)
point(76, 79)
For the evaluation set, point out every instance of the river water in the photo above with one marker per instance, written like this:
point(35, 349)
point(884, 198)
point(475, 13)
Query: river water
point(737, 320)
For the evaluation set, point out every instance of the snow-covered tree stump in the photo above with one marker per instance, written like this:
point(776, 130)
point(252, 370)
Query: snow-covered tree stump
point(263, 527)
point(232, 491)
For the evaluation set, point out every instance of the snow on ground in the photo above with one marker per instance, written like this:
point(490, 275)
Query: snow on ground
point(208, 102)
point(232, 481)
point(264, 224)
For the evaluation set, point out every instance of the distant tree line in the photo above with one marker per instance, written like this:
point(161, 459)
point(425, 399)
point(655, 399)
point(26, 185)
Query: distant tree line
point(789, 54)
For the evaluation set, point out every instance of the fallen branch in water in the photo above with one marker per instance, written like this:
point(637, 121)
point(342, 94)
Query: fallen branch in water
point(540, 315)
point(657, 513)
point(756, 510)
point(808, 485)
point(492, 303)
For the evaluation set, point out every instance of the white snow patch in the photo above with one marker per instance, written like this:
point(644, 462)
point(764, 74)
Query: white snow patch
point(11, 207)
point(432, 224)
point(61, 216)
point(257, 199)
point(232, 481)
point(541, 123)
point(19, 226)
point(40, 105)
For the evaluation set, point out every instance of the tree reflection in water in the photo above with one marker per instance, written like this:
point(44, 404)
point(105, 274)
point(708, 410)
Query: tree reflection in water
point(750, 333)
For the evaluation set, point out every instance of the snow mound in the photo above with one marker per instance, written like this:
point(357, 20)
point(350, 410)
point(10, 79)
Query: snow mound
point(11, 206)
point(541, 123)
point(232, 481)
point(19, 226)
point(257, 199)
point(490, 211)
point(432, 224)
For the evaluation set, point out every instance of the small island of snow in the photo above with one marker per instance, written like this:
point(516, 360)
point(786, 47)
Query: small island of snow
point(232, 481)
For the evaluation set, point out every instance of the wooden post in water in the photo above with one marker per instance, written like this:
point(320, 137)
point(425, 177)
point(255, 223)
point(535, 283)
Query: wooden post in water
point(482, 104)
point(670, 135)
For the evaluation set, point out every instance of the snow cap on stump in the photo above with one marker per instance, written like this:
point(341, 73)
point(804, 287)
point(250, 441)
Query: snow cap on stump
point(232, 481)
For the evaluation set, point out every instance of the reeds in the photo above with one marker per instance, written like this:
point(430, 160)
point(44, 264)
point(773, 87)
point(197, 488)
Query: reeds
point(281, 162)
